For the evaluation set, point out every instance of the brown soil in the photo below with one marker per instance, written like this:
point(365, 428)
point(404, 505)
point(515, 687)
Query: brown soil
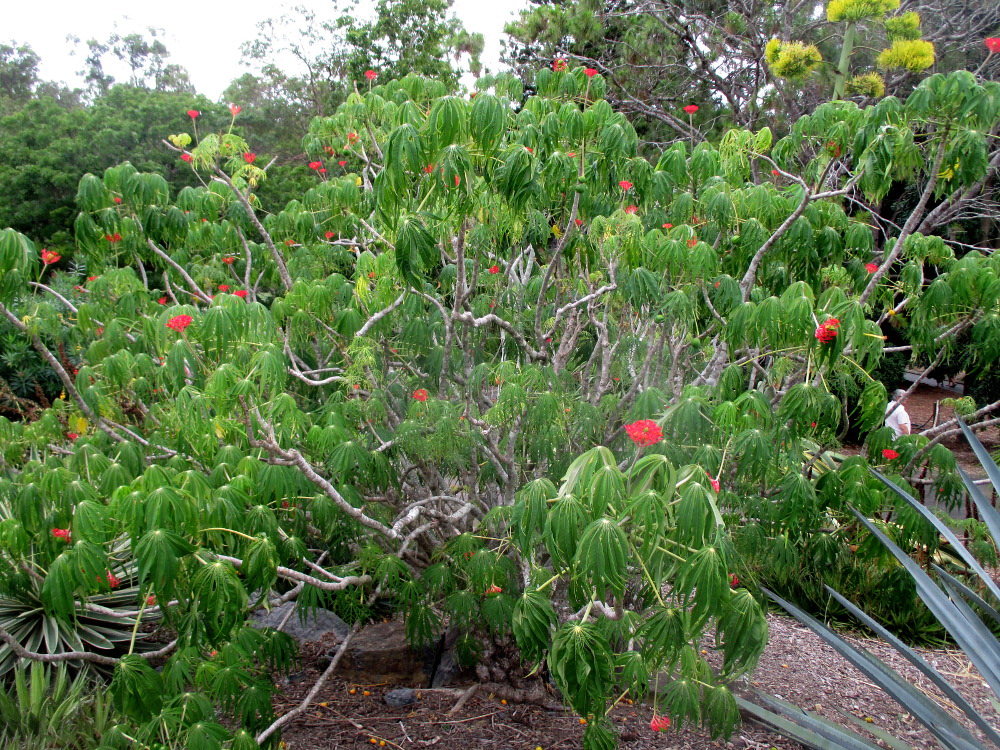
point(796, 666)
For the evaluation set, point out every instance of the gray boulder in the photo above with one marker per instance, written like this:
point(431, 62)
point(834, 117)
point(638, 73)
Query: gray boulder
point(317, 624)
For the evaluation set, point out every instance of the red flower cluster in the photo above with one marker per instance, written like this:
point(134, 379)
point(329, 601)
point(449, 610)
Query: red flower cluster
point(691, 109)
point(162, 300)
point(249, 157)
point(329, 235)
point(631, 209)
point(589, 72)
point(113, 237)
point(625, 185)
point(993, 44)
point(827, 330)
point(371, 75)
point(352, 137)
point(692, 242)
point(235, 109)
point(578, 222)
point(179, 322)
point(151, 600)
point(228, 260)
point(871, 267)
point(241, 293)
point(559, 65)
point(734, 581)
point(342, 163)
point(890, 454)
point(113, 580)
point(494, 269)
point(186, 157)
point(644, 432)
point(193, 114)
point(660, 723)
point(420, 394)
point(667, 226)
point(72, 436)
point(62, 534)
point(50, 256)
point(117, 199)
point(315, 165)
point(494, 589)
point(429, 168)
point(714, 482)
point(223, 287)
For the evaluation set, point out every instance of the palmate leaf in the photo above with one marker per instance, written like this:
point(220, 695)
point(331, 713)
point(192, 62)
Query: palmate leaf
point(158, 554)
point(532, 622)
point(582, 665)
point(602, 557)
point(742, 630)
point(705, 577)
point(137, 688)
point(219, 600)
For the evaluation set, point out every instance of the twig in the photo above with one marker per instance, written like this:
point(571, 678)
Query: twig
point(464, 699)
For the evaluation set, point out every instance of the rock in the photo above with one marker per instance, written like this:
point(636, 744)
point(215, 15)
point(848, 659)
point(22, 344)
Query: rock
point(379, 653)
point(318, 623)
point(400, 697)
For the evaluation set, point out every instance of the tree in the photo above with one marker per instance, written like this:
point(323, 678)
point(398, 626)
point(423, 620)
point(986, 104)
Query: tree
point(434, 377)
point(145, 59)
point(18, 76)
point(660, 55)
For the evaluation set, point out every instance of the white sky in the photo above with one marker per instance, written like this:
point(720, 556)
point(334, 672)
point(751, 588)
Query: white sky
point(203, 37)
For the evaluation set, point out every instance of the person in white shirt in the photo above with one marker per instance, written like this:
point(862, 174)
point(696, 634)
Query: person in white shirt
point(898, 420)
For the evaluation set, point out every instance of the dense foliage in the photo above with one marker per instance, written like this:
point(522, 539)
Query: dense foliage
point(493, 366)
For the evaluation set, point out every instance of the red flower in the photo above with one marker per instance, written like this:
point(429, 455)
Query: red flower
point(150, 600)
point(871, 267)
point(812, 424)
point(113, 580)
point(571, 154)
point(61, 534)
point(249, 157)
point(228, 260)
point(193, 114)
point(371, 75)
point(589, 72)
point(559, 65)
point(734, 580)
point(342, 163)
point(644, 432)
point(241, 293)
point(659, 723)
point(691, 109)
point(717, 284)
point(667, 226)
point(713, 481)
point(775, 172)
point(113, 237)
point(827, 330)
point(529, 149)
point(458, 180)
point(578, 222)
point(692, 242)
point(179, 322)
point(429, 168)
point(91, 278)
point(352, 137)
point(494, 589)
point(186, 157)
point(315, 165)
point(625, 185)
point(50, 256)
point(289, 242)
point(72, 436)
point(890, 454)
point(162, 300)
point(631, 209)
point(330, 235)
point(117, 199)
point(993, 44)
point(223, 287)
point(494, 269)
point(420, 394)
point(328, 149)
point(235, 109)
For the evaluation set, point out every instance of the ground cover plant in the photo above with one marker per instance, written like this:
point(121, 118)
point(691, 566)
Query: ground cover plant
point(494, 367)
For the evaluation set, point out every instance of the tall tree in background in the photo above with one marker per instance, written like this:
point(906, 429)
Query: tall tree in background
point(660, 55)
point(144, 56)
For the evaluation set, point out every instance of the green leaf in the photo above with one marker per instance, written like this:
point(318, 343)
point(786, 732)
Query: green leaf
point(136, 688)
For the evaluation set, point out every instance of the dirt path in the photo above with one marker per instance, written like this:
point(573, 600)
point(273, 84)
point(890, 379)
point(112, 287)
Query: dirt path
point(796, 665)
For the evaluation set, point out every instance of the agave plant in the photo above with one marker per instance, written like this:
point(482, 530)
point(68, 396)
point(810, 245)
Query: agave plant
point(960, 609)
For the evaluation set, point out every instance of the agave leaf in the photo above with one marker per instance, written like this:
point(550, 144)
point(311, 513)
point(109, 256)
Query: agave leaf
point(941, 724)
point(968, 631)
point(990, 515)
point(893, 742)
point(969, 594)
point(920, 663)
point(947, 533)
point(799, 727)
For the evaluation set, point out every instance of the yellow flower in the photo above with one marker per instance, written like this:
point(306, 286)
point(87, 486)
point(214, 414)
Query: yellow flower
point(912, 55)
point(869, 84)
point(858, 10)
point(906, 26)
point(556, 231)
point(792, 59)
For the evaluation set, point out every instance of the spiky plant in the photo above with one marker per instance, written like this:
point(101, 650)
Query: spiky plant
point(962, 609)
